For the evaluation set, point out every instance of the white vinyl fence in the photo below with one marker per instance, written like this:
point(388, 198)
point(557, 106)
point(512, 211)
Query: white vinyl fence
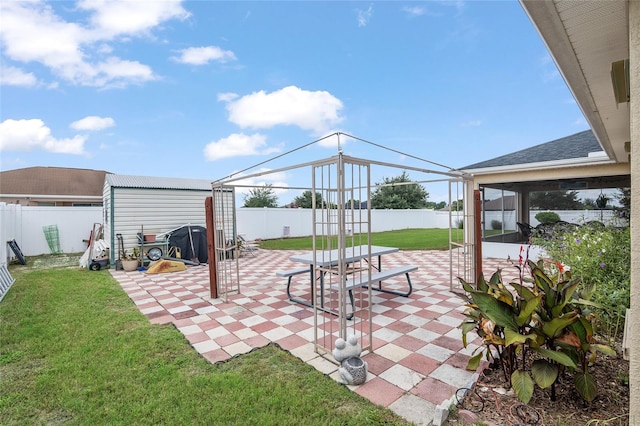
point(508, 217)
point(268, 223)
point(25, 224)
point(74, 224)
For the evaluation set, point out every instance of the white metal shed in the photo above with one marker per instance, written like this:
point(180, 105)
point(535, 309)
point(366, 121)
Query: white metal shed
point(152, 205)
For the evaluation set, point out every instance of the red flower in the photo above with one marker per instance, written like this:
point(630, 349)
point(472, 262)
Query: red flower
point(521, 258)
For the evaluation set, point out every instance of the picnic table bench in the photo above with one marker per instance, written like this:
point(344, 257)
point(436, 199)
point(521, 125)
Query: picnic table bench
point(364, 281)
point(290, 273)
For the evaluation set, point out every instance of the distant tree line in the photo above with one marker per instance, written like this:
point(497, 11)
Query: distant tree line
point(401, 193)
point(568, 200)
point(392, 193)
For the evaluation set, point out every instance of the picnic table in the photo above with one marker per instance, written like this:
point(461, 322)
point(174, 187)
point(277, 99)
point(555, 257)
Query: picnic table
point(327, 260)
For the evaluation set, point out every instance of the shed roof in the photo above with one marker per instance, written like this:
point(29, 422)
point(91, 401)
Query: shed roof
point(153, 182)
point(52, 181)
point(579, 145)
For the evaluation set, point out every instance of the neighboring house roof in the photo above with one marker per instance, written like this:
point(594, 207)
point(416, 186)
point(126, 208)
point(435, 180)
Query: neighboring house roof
point(151, 182)
point(52, 181)
point(507, 202)
point(579, 145)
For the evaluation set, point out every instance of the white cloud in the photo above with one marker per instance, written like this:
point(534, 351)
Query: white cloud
point(238, 144)
point(32, 32)
point(364, 16)
point(549, 70)
point(278, 180)
point(334, 140)
point(227, 97)
point(203, 55)
point(315, 111)
point(472, 123)
point(27, 135)
point(12, 76)
point(116, 72)
point(414, 10)
point(111, 18)
point(459, 5)
point(74, 51)
point(93, 123)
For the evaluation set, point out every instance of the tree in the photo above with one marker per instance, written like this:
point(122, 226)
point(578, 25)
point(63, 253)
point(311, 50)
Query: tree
point(397, 193)
point(353, 204)
point(555, 200)
point(589, 203)
point(261, 197)
point(457, 205)
point(306, 200)
point(624, 198)
point(436, 206)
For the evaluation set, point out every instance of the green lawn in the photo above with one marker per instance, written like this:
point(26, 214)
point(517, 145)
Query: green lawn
point(74, 349)
point(404, 239)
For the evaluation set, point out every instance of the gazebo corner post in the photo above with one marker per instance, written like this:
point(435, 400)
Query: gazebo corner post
point(477, 240)
point(342, 294)
point(211, 247)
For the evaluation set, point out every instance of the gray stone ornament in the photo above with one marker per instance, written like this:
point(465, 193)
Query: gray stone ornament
point(353, 370)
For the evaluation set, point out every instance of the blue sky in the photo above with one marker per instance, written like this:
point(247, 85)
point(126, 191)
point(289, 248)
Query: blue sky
point(203, 89)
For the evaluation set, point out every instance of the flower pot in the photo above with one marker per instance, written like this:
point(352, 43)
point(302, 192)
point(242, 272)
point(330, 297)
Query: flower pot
point(130, 265)
point(357, 368)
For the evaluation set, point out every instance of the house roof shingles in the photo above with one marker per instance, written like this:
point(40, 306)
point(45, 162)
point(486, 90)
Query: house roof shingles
point(52, 181)
point(578, 145)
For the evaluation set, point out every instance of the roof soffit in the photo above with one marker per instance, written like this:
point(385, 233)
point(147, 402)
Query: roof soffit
point(584, 38)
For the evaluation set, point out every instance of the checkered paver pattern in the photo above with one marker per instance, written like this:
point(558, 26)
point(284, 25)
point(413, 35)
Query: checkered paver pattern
point(418, 361)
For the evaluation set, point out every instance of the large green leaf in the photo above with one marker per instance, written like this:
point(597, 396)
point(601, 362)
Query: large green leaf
point(482, 284)
point(522, 385)
point(474, 362)
point(559, 357)
point(581, 329)
point(529, 306)
point(586, 386)
point(497, 311)
point(467, 326)
point(467, 287)
point(566, 295)
point(496, 277)
point(544, 372)
point(587, 290)
point(607, 350)
point(555, 327)
point(588, 303)
point(511, 337)
point(524, 291)
point(503, 294)
point(541, 280)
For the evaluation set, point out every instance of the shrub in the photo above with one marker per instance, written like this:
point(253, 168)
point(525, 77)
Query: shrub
point(601, 258)
point(538, 330)
point(547, 217)
point(496, 224)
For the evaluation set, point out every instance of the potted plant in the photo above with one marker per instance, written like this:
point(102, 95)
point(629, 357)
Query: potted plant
point(130, 261)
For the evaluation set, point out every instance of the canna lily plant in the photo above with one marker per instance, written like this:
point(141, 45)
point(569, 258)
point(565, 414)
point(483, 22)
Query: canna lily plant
point(545, 317)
